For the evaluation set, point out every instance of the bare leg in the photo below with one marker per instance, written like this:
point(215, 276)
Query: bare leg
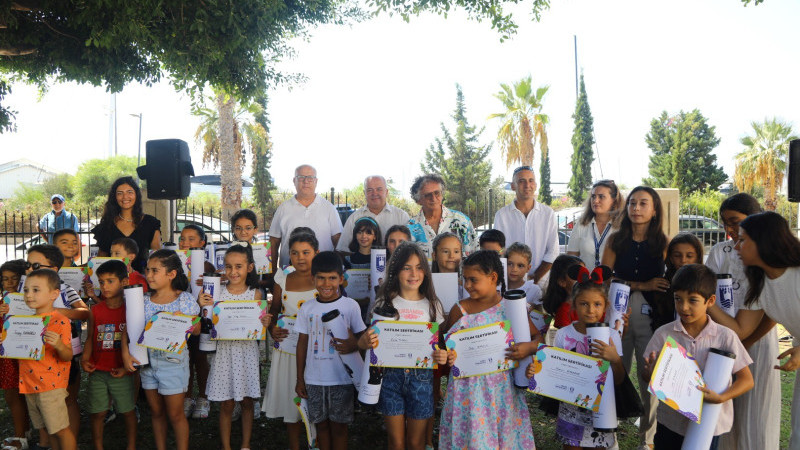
point(19, 411)
point(294, 430)
point(338, 433)
point(247, 421)
point(130, 428)
point(324, 435)
point(396, 432)
point(97, 422)
point(72, 407)
point(180, 426)
point(225, 416)
point(158, 417)
point(201, 370)
point(65, 439)
point(416, 433)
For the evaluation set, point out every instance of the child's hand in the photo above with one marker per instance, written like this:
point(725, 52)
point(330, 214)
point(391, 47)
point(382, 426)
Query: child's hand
point(86, 364)
point(529, 371)
point(278, 334)
point(345, 346)
point(300, 389)
point(440, 356)
point(649, 364)
point(451, 357)
point(118, 372)
point(205, 299)
point(88, 288)
point(266, 319)
point(199, 281)
point(605, 351)
point(659, 284)
point(521, 350)
point(368, 340)
point(710, 396)
point(53, 339)
point(128, 362)
point(4, 308)
point(794, 360)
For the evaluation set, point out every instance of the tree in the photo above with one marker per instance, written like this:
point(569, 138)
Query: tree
point(582, 154)
point(522, 122)
point(461, 161)
point(545, 193)
point(682, 158)
point(95, 177)
point(262, 156)
point(763, 160)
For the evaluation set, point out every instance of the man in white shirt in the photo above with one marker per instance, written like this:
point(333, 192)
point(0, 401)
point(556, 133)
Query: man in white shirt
point(305, 209)
point(377, 208)
point(530, 222)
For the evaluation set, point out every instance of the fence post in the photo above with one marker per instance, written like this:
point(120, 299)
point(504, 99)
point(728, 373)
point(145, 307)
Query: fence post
point(332, 192)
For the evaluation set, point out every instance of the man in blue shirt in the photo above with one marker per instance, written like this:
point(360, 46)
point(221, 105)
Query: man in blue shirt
point(57, 219)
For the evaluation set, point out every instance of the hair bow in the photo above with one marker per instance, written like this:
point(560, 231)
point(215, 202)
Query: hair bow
point(582, 274)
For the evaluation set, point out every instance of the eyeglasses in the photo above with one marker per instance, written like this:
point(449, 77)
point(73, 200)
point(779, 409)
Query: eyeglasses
point(37, 266)
point(247, 228)
point(56, 202)
point(432, 195)
point(305, 178)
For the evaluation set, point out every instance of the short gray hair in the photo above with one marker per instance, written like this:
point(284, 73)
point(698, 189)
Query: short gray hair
point(305, 165)
point(369, 177)
point(422, 180)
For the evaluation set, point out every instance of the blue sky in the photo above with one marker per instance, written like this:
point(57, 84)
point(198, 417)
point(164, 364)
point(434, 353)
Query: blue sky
point(377, 90)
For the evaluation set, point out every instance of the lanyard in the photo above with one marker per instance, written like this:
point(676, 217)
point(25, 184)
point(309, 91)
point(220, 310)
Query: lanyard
point(597, 243)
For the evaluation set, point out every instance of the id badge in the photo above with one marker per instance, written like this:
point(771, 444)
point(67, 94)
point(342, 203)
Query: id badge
point(77, 348)
point(646, 309)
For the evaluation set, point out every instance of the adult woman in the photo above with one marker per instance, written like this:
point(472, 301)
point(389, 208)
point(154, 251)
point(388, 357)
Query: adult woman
point(434, 218)
point(771, 255)
point(598, 221)
point(123, 217)
point(636, 253)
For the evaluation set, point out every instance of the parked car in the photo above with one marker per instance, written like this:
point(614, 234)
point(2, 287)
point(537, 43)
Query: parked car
point(708, 230)
point(216, 229)
point(9, 250)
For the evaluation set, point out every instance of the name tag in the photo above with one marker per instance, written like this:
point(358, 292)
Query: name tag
point(646, 309)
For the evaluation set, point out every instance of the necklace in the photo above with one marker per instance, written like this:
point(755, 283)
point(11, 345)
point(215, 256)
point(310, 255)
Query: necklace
point(126, 220)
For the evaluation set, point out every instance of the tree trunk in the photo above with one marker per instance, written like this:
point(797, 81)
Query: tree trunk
point(230, 162)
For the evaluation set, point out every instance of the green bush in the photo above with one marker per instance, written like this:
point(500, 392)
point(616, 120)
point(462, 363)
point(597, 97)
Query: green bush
point(704, 203)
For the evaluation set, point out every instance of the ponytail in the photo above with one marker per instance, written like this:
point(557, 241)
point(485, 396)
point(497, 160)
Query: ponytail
point(170, 260)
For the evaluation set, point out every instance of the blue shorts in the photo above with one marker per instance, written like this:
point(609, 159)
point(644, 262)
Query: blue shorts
point(167, 372)
point(407, 392)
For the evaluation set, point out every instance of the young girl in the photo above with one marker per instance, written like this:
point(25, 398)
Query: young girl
point(245, 225)
point(193, 236)
point(166, 379)
point(406, 399)
point(366, 233)
point(636, 253)
point(559, 291)
point(289, 293)
point(485, 411)
point(589, 300)
point(234, 372)
point(756, 416)
point(599, 219)
point(683, 249)
point(394, 236)
point(446, 255)
point(11, 272)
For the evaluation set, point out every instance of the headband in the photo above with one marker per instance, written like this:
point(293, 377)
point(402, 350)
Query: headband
point(370, 219)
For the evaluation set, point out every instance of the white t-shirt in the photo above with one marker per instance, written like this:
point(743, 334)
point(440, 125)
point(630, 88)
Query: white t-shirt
point(533, 293)
point(320, 216)
point(323, 365)
point(780, 300)
point(388, 217)
point(538, 231)
point(417, 310)
point(723, 258)
point(582, 238)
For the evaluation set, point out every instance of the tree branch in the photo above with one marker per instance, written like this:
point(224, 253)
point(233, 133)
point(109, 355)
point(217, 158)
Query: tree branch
point(17, 51)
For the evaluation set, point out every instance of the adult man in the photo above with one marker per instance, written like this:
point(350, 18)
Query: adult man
point(530, 222)
point(57, 219)
point(305, 209)
point(385, 214)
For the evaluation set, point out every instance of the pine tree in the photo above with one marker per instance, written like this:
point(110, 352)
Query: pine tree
point(582, 141)
point(262, 156)
point(545, 194)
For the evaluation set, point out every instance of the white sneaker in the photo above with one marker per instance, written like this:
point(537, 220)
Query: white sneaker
point(256, 409)
point(188, 406)
point(202, 405)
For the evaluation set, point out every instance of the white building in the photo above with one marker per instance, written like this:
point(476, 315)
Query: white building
point(22, 171)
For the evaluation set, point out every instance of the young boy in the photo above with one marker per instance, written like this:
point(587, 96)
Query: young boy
point(44, 382)
point(519, 264)
point(695, 286)
point(321, 377)
point(127, 248)
point(67, 241)
point(102, 357)
point(492, 239)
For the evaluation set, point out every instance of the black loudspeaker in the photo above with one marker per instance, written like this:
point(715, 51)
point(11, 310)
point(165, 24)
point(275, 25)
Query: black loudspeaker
point(168, 169)
point(794, 171)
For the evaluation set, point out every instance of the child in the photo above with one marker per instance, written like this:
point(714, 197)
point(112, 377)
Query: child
point(559, 291)
point(102, 357)
point(519, 264)
point(289, 293)
point(366, 233)
point(44, 382)
point(66, 239)
point(394, 236)
point(446, 257)
point(406, 399)
point(128, 248)
point(235, 369)
point(683, 249)
point(471, 401)
point(321, 377)
point(695, 286)
point(492, 239)
point(12, 272)
point(166, 379)
point(245, 225)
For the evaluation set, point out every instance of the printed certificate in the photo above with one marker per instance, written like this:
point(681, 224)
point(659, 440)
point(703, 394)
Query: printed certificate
point(74, 277)
point(357, 283)
point(16, 305)
point(91, 269)
point(311, 429)
point(446, 287)
point(167, 331)
point(405, 344)
point(675, 379)
point(239, 320)
point(186, 260)
point(289, 344)
point(540, 320)
point(568, 376)
point(481, 350)
point(262, 254)
point(23, 337)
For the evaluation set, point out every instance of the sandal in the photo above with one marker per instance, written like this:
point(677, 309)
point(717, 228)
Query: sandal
point(15, 443)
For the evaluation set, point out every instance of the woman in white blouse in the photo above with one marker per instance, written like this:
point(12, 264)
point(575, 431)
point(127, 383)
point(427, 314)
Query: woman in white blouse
point(598, 221)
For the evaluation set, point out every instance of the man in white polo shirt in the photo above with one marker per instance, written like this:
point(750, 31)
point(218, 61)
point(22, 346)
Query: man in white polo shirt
point(530, 222)
point(385, 214)
point(305, 209)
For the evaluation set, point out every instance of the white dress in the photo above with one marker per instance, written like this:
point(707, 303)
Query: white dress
point(757, 413)
point(280, 394)
point(235, 370)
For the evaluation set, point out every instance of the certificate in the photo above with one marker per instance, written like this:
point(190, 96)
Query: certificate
point(74, 277)
point(540, 320)
point(481, 350)
point(16, 305)
point(239, 320)
point(262, 254)
point(311, 429)
point(405, 344)
point(568, 376)
point(446, 287)
point(675, 379)
point(289, 344)
point(23, 337)
point(357, 283)
point(167, 331)
point(91, 269)
point(186, 260)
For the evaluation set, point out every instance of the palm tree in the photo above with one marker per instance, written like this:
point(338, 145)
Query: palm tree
point(523, 123)
point(227, 131)
point(763, 160)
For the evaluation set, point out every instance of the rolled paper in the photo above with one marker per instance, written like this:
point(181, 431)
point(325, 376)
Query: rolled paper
point(211, 286)
point(377, 265)
point(219, 254)
point(725, 293)
point(504, 262)
point(605, 419)
point(197, 259)
point(353, 364)
point(618, 295)
point(717, 375)
point(169, 246)
point(372, 376)
point(21, 283)
point(134, 321)
point(516, 307)
point(210, 254)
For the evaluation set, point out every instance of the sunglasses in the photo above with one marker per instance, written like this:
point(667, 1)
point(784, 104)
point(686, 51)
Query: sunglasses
point(37, 266)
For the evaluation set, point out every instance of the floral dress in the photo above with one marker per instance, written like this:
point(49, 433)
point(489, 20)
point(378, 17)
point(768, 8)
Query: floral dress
point(485, 411)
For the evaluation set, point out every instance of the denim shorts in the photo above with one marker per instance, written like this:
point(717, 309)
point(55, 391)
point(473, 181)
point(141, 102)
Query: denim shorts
point(168, 372)
point(407, 392)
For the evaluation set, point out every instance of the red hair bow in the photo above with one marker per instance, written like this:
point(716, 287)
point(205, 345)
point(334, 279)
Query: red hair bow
point(596, 276)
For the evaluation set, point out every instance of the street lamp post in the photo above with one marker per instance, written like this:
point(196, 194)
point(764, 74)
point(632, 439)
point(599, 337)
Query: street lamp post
point(139, 149)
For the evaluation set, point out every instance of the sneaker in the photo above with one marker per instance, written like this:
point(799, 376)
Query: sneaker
point(188, 406)
point(110, 416)
point(15, 443)
point(202, 405)
point(256, 409)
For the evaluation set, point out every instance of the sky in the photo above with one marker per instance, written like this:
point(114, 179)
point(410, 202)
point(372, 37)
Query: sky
point(377, 91)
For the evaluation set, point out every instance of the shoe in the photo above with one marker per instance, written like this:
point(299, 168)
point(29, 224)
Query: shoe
point(188, 406)
point(237, 412)
point(15, 443)
point(256, 410)
point(202, 405)
point(110, 416)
